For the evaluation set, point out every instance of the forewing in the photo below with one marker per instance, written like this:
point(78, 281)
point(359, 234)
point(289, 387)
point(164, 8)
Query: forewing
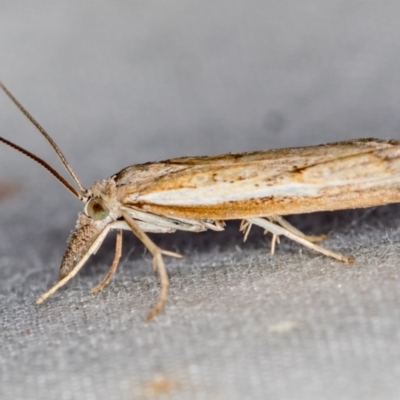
point(271, 182)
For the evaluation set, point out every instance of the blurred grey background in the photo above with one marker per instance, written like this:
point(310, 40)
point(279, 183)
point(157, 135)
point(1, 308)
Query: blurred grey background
point(119, 83)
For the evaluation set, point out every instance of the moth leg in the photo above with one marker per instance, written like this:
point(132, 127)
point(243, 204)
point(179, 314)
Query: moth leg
point(282, 222)
point(245, 227)
point(277, 230)
point(158, 262)
point(114, 265)
point(275, 239)
point(92, 249)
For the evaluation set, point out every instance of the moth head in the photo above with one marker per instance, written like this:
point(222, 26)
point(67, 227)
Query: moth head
point(96, 209)
point(101, 202)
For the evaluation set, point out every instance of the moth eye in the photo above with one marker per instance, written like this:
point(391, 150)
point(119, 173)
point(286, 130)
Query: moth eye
point(96, 210)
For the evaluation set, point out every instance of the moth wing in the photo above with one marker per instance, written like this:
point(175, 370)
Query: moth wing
point(148, 176)
point(269, 182)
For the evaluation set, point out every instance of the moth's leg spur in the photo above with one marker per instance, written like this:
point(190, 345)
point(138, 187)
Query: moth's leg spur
point(275, 239)
point(277, 230)
point(245, 227)
point(158, 262)
point(92, 249)
point(114, 265)
point(282, 222)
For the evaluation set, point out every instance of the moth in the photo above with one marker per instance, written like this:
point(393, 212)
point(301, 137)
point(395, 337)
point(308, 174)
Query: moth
point(195, 194)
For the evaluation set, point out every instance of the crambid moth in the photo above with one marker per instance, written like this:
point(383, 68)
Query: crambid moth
point(199, 193)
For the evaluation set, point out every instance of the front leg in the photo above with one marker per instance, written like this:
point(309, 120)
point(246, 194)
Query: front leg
point(158, 262)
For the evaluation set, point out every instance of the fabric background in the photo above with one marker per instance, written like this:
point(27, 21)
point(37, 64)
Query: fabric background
point(119, 83)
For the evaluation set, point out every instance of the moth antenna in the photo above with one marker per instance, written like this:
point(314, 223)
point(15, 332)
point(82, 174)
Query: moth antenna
point(52, 143)
point(43, 164)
